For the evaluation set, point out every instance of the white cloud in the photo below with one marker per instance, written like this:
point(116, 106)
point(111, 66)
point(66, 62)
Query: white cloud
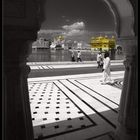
point(76, 25)
point(74, 29)
point(50, 31)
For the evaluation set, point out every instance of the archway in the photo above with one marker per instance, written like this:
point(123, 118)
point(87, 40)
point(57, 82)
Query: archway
point(124, 20)
point(16, 89)
point(60, 19)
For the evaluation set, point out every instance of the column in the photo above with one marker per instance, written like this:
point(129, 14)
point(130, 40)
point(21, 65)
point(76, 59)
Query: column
point(128, 111)
point(16, 113)
point(17, 120)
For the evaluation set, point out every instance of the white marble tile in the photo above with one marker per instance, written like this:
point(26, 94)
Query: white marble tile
point(94, 75)
point(94, 94)
point(90, 80)
point(77, 65)
point(34, 67)
point(45, 67)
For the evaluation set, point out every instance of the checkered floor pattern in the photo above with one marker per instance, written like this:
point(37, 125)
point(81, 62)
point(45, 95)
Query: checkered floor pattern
point(73, 107)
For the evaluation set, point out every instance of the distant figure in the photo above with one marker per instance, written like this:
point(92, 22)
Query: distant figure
point(72, 56)
point(79, 56)
point(119, 50)
point(99, 60)
point(63, 46)
point(106, 69)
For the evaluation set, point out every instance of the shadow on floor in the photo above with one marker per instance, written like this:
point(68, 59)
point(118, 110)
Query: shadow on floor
point(94, 126)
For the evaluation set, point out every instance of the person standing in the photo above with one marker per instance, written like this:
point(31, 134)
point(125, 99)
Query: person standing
point(79, 56)
point(106, 69)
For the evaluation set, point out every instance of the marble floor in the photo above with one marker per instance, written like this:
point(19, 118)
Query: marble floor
point(74, 107)
point(53, 65)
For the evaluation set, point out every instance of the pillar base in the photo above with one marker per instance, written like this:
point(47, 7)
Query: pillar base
point(123, 133)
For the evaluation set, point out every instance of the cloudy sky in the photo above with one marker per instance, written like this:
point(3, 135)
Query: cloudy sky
point(77, 17)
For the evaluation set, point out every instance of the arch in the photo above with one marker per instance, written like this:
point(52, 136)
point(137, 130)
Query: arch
point(121, 10)
point(114, 12)
point(123, 13)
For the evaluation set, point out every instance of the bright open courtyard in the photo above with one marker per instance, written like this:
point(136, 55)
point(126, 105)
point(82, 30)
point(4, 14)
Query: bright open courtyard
point(74, 107)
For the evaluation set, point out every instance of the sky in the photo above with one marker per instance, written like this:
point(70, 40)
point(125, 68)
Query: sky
point(77, 17)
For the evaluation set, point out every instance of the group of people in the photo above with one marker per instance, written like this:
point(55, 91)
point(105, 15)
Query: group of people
point(78, 56)
point(104, 63)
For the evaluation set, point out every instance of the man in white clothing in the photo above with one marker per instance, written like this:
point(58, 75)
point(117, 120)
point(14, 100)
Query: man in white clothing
point(106, 69)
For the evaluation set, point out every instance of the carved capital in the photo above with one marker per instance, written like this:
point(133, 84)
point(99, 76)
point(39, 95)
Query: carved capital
point(129, 45)
point(129, 62)
point(15, 56)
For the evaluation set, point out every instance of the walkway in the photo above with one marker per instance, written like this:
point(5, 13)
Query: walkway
point(60, 65)
point(74, 107)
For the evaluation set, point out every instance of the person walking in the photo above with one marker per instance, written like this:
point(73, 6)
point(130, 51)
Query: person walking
point(79, 56)
point(101, 62)
point(106, 69)
point(99, 59)
point(72, 56)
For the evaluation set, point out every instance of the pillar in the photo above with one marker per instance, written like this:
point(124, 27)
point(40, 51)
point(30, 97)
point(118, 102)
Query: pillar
point(128, 111)
point(17, 120)
point(17, 31)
